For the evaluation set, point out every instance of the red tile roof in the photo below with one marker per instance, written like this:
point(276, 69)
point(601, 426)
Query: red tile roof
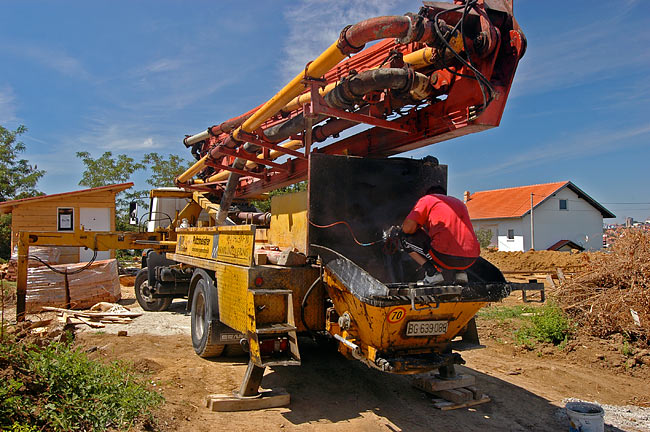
point(563, 243)
point(515, 202)
point(7, 206)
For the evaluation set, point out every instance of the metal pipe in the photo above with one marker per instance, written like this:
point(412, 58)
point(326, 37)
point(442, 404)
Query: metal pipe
point(351, 40)
point(193, 170)
point(273, 154)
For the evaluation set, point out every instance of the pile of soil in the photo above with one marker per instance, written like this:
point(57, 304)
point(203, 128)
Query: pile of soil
point(537, 261)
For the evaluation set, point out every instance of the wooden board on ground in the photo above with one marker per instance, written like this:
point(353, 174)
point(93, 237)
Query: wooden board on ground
point(445, 405)
point(451, 393)
point(266, 399)
point(429, 383)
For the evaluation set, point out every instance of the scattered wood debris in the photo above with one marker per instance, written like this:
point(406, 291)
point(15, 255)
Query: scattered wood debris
point(100, 314)
point(601, 298)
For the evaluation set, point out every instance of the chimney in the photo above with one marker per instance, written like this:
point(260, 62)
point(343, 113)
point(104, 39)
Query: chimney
point(466, 196)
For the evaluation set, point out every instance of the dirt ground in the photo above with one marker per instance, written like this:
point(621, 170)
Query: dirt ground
point(329, 392)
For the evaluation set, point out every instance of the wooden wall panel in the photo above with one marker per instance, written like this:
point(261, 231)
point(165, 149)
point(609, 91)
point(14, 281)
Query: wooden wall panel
point(42, 216)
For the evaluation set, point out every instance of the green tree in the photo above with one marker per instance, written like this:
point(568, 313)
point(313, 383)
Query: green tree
point(265, 205)
point(17, 177)
point(163, 170)
point(17, 180)
point(108, 169)
point(484, 237)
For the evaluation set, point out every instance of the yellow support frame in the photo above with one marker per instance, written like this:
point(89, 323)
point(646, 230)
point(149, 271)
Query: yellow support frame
point(95, 240)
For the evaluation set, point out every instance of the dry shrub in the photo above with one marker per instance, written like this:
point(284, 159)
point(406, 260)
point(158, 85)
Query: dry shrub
point(600, 298)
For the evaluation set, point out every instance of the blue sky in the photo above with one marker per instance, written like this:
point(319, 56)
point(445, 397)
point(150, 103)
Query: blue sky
point(134, 77)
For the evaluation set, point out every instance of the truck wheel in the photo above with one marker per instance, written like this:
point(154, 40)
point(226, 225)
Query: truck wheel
point(143, 294)
point(204, 327)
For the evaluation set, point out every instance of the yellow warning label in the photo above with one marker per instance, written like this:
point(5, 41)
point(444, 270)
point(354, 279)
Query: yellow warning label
point(196, 245)
point(236, 247)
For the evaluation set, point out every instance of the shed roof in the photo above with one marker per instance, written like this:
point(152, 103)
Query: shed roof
point(515, 202)
point(8, 206)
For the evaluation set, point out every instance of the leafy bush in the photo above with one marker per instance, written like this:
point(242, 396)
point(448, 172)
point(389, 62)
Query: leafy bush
point(58, 388)
point(484, 237)
point(548, 324)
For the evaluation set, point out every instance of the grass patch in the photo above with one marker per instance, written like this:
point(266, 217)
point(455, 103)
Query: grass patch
point(9, 289)
point(503, 313)
point(548, 324)
point(58, 388)
point(533, 325)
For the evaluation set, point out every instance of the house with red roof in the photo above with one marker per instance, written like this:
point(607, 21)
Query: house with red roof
point(562, 214)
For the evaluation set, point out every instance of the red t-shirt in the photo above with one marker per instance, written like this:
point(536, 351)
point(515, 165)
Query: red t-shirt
point(446, 220)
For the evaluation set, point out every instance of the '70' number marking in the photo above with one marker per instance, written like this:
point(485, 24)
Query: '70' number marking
point(396, 314)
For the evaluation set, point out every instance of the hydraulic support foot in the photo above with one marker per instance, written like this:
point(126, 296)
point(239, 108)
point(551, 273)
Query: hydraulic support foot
point(250, 396)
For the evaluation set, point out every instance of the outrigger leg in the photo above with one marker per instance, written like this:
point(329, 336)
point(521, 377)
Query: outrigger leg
point(250, 396)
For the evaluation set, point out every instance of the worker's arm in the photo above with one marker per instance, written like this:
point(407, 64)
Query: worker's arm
point(409, 226)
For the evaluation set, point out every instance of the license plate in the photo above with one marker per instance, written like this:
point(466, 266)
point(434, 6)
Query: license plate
point(426, 328)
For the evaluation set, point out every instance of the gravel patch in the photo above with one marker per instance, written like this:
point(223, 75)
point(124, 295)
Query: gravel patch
point(628, 418)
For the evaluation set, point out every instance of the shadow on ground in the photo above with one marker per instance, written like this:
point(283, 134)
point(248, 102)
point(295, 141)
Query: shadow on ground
point(348, 390)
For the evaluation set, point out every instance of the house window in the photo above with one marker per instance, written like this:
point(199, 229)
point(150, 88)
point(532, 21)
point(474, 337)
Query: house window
point(564, 205)
point(65, 219)
point(511, 234)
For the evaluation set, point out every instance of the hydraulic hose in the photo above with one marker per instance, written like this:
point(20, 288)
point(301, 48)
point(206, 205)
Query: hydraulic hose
point(409, 28)
point(344, 96)
point(350, 91)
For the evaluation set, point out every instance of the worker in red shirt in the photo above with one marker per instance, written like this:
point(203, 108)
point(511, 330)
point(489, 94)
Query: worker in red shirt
point(439, 236)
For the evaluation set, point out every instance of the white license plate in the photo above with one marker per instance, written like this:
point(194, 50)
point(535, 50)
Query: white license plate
point(426, 328)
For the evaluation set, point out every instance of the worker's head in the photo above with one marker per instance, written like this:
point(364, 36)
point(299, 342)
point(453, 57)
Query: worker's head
point(437, 189)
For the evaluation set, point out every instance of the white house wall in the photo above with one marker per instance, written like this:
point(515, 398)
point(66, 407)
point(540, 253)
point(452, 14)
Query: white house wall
point(499, 228)
point(580, 223)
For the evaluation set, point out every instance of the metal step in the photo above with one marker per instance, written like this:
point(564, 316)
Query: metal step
point(275, 328)
point(260, 291)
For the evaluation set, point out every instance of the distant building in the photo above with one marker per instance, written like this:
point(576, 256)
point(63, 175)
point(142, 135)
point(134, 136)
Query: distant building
point(93, 209)
point(563, 214)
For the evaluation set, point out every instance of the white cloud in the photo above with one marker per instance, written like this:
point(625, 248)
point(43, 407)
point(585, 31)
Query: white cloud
point(599, 50)
point(7, 105)
point(578, 145)
point(120, 137)
point(51, 58)
point(314, 25)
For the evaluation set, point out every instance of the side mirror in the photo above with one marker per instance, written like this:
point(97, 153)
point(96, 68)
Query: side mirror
point(133, 213)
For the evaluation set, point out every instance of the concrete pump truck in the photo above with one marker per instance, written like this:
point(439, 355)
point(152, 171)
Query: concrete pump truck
point(319, 262)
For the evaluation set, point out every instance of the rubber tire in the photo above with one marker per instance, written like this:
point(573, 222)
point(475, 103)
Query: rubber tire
point(235, 350)
point(204, 327)
point(157, 305)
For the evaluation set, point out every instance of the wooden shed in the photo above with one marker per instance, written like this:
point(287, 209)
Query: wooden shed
point(93, 208)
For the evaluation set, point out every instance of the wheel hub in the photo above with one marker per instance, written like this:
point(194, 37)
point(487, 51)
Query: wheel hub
point(146, 292)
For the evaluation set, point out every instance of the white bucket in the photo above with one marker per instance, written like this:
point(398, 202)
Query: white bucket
point(585, 417)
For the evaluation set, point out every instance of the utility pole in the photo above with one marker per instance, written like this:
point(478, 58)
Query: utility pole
point(532, 224)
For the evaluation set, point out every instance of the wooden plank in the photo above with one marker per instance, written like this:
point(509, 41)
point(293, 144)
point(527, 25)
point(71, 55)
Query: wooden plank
point(266, 399)
point(560, 275)
point(90, 323)
point(431, 384)
point(93, 314)
point(444, 405)
point(458, 396)
point(550, 281)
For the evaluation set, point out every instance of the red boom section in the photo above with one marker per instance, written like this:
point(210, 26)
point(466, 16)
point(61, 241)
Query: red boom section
point(446, 98)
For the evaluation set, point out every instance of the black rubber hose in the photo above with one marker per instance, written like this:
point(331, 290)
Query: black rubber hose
point(345, 95)
point(304, 304)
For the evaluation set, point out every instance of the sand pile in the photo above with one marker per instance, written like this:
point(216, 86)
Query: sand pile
point(537, 261)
